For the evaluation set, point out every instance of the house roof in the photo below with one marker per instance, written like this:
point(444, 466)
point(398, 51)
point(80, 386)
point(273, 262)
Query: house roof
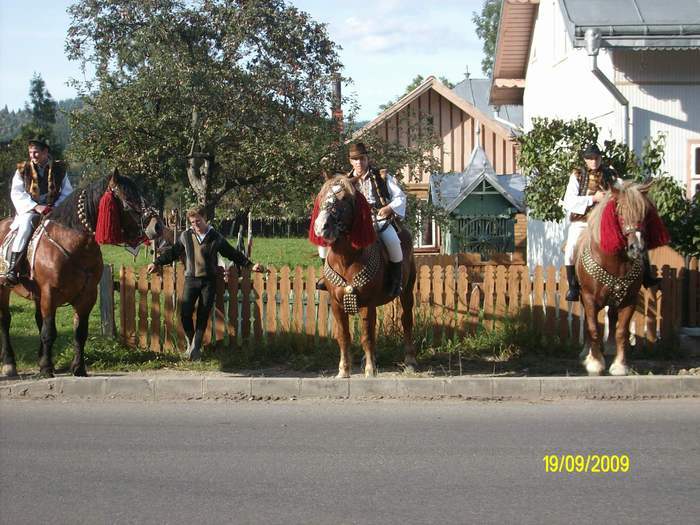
point(635, 24)
point(476, 92)
point(433, 83)
point(448, 190)
point(641, 24)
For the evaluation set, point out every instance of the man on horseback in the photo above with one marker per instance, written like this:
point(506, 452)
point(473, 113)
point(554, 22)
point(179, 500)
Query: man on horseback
point(38, 185)
point(585, 189)
point(201, 244)
point(388, 201)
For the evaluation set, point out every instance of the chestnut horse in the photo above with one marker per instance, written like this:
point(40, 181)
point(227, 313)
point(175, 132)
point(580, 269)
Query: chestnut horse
point(609, 267)
point(68, 264)
point(355, 271)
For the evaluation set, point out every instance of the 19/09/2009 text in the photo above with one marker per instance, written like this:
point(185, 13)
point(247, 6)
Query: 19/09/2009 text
point(589, 463)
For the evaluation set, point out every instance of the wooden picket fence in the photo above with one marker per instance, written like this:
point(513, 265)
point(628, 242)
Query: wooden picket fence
point(251, 309)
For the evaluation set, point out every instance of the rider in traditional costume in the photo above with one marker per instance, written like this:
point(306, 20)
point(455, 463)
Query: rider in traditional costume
point(38, 185)
point(585, 189)
point(387, 201)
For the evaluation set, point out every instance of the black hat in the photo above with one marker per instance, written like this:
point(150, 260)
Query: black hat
point(591, 151)
point(39, 141)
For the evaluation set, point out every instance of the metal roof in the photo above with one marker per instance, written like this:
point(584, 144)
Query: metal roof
point(638, 24)
point(476, 91)
point(448, 190)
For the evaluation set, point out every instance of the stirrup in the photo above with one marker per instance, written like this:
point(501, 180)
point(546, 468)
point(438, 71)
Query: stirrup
point(573, 294)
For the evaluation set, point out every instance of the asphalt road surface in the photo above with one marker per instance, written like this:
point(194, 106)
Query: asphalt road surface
point(346, 462)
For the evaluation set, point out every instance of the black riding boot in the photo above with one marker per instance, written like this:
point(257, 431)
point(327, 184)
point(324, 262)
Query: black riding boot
point(648, 280)
point(573, 293)
point(321, 283)
point(394, 284)
point(12, 275)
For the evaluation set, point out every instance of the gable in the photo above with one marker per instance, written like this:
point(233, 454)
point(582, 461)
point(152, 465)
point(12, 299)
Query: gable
point(461, 126)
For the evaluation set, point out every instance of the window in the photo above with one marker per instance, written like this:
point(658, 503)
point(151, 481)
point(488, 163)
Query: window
point(693, 168)
point(427, 238)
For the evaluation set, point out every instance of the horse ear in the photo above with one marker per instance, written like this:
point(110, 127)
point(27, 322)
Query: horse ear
point(646, 186)
point(114, 177)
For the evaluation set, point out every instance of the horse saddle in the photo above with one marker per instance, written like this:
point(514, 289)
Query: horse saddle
point(6, 249)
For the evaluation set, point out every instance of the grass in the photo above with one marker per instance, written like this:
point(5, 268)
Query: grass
point(276, 252)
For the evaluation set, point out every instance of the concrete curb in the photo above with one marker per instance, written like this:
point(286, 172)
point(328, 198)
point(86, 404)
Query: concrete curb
point(140, 388)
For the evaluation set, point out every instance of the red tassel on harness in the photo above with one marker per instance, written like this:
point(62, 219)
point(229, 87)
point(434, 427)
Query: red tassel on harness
point(655, 232)
point(611, 238)
point(315, 239)
point(362, 232)
point(108, 229)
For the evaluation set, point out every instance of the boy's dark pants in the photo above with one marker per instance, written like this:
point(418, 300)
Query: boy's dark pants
point(203, 291)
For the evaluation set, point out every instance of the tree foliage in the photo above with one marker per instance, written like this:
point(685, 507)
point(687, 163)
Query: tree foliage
point(487, 30)
point(219, 95)
point(552, 149)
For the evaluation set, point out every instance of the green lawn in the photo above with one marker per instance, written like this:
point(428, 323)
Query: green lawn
point(276, 252)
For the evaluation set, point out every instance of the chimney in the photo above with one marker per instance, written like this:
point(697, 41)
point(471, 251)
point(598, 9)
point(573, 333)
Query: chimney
point(337, 109)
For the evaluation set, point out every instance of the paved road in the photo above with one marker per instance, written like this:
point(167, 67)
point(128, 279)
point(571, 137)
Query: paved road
point(345, 462)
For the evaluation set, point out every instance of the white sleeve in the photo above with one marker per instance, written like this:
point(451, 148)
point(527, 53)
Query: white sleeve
point(22, 201)
point(398, 197)
point(66, 190)
point(573, 202)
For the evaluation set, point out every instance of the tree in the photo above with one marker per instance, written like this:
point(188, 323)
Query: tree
point(221, 95)
point(487, 30)
point(417, 81)
point(551, 150)
point(42, 106)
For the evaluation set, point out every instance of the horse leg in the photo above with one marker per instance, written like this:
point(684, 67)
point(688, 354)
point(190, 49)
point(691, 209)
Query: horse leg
point(9, 367)
point(369, 339)
point(407, 299)
point(80, 331)
point(48, 336)
point(594, 362)
point(622, 337)
point(342, 327)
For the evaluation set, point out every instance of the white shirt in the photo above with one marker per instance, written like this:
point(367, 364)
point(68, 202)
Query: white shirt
point(573, 202)
point(398, 197)
point(23, 201)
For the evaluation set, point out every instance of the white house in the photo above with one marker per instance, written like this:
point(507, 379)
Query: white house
point(630, 66)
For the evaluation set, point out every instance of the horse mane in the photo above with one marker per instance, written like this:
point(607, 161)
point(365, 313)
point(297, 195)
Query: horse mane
point(632, 205)
point(344, 181)
point(66, 213)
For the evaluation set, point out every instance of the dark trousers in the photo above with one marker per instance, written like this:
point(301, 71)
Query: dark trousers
point(200, 290)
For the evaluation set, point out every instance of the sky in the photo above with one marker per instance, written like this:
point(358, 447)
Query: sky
point(385, 44)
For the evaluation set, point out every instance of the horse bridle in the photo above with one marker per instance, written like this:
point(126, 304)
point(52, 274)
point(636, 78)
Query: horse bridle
point(331, 207)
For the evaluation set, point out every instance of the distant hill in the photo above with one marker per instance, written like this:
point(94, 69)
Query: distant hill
point(12, 121)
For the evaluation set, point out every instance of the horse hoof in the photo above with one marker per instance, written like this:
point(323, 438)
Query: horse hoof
point(9, 370)
point(46, 373)
point(618, 369)
point(593, 366)
point(343, 375)
point(79, 372)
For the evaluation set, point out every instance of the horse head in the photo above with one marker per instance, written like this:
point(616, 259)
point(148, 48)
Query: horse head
point(336, 202)
point(627, 220)
point(136, 218)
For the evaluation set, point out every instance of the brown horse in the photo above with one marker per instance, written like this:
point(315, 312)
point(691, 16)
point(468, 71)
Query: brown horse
point(355, 272)
point(67, 265)
point(609, 267)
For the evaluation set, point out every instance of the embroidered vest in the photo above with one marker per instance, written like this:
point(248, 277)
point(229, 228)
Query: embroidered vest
point(590, 182)
point(378, 188)
point(46, 188)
